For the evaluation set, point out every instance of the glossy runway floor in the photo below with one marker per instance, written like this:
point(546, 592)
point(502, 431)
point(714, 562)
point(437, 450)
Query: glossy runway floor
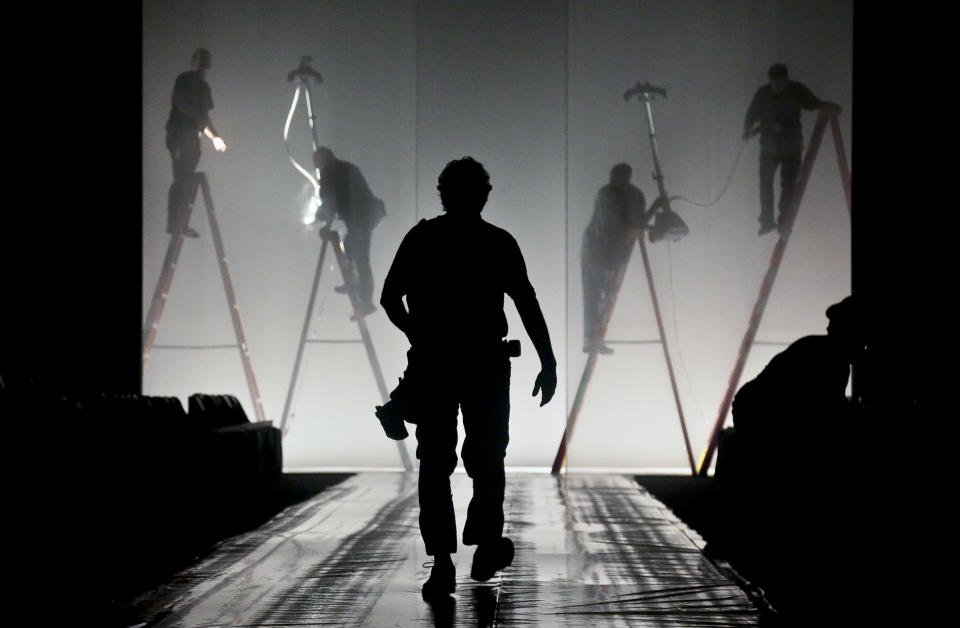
point(592, 550)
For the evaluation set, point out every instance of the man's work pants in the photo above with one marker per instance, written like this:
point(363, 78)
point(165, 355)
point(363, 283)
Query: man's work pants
point(356, 245)
point(482, 393)
point(599, 292)
point(789, 164)
point(184, 147)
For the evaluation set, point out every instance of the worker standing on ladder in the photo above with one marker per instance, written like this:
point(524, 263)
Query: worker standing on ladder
point(189, 119)
point(618, 216)
point(454, 271)
point(774, 113)
point(344, 193)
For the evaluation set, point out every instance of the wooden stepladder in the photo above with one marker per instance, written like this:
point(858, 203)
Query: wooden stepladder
point(331, 239)
point(591, 364)
point(766, 286)
point(162, 290)
point(645, 93)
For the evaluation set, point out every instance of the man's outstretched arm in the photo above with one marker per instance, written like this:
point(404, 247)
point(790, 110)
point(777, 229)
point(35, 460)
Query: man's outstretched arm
point(202, 117)
point(532, 317)
point(524, 297)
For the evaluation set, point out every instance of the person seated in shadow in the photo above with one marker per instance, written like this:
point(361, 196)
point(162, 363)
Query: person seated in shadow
point(454, 270)
point(785, 485)
point(619, 215)
point(803, 385)
point(345, 194)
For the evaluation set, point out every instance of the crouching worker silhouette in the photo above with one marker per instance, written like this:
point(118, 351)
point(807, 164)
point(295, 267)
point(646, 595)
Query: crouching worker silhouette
point(794, 431)
point(454, 270)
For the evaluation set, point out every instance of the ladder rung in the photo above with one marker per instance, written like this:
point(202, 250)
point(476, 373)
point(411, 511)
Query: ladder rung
point(234, 346)
point(633, 342)
point(332, 341)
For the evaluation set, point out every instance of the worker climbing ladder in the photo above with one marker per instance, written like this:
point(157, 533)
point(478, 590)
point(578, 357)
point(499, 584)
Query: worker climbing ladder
point(667, 223)
point(827, 116)
point(585, 378)
point(306, 77)
point(159, 301)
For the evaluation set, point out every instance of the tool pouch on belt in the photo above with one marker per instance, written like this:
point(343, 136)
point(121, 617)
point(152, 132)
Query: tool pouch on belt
point(391, 421)
point(405, 398)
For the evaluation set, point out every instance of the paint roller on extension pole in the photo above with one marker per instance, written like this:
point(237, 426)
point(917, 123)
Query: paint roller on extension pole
point(667, 224)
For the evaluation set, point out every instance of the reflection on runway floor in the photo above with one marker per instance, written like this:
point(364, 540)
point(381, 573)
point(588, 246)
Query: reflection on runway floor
point(592, 550)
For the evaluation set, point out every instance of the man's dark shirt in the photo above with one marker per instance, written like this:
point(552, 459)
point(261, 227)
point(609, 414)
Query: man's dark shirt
point(454, 271)
point(607, 240)
point(779, 114)
point(344, 191)
point(195, 91)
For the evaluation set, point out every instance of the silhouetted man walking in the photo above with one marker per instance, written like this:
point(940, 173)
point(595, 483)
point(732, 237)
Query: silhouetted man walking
point(190, 107)
point(454, 271)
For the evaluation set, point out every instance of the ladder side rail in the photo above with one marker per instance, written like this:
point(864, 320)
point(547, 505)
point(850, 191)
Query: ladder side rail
point(303, 338)
point(561, 457)
point(164, 281)
point(842, 162)
point(766, 288)
point(666, 354)
point(346, 270)
point(232, 302)
point(664, 199)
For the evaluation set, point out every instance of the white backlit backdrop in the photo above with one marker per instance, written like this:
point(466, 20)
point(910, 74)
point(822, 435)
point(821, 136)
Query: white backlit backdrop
point(533, 90)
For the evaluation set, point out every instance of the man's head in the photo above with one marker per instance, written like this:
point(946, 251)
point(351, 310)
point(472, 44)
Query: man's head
point(464, 186)
point(845, 326)
point(620, 174)
point(779, 77)
point(201, 59)
point(322, 157)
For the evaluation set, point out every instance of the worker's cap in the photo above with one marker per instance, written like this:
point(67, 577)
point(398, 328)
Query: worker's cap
point(843, 312)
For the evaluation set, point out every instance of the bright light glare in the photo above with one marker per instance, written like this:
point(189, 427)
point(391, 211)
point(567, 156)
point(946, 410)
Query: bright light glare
point(310, 210)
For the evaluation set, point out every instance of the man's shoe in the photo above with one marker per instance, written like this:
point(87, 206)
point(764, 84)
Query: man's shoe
point(767, 227)
point(341, 289)
point(189, 232)
point(442, 581)
point(491, 558)
point(601, 348)
point(364, 310)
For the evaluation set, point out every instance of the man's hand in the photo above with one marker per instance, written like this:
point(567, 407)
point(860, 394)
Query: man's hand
point(547, 382)
point(219, 144)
